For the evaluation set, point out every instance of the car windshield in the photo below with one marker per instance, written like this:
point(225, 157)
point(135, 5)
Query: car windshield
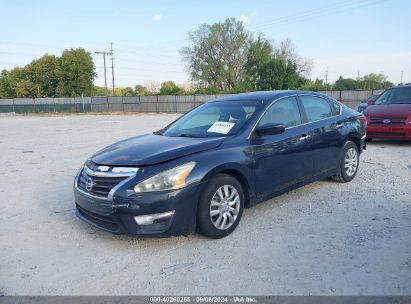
point(221, 118)
point(395, 96)
point(373, 98)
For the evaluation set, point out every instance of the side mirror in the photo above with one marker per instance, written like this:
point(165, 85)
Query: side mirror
point(370, 102)
point(270, 129)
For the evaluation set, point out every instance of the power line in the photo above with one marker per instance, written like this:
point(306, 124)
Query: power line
point(40, 53)
point(145, 70)
point(144, 54)
point(154, 45)
point(150, 62)
point(301, 14)
point(314, 13)
point(311, 14)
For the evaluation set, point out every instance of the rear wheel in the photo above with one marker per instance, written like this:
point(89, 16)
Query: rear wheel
point(220, 207)
point(350, 160)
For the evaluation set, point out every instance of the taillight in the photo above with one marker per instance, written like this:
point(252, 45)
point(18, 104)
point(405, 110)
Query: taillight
point(363, 120)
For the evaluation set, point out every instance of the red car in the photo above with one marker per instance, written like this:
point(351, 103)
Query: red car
point(390, 115)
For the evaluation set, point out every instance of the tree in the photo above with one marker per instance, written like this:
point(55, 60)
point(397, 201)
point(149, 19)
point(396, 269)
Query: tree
point(217, 54)
point(77, 70)
point(140, 90)
point(316, 85)
point(101, 91)
point(27, 89)
point(367, 82)
point(9, 81)
point(374, 81)
point(278, 74)
point(224, 57)
point(346, 84)
point(275, 67)
point(287, 51)
point(126, 91)
point(271, 75)
point(206, 91)
point(170, 88)
point(72, 74)
point(152, 86)
point(259, 54)
point(46, 74)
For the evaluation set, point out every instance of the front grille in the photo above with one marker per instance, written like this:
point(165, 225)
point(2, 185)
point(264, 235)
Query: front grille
point(392, 121)
point(101, 221)
point(388, 134)
point(101, 185)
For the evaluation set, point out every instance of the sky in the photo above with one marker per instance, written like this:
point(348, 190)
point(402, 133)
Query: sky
point(345, 37)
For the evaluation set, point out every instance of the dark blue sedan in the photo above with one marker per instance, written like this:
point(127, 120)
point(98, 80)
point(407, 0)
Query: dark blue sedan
point(202, 170)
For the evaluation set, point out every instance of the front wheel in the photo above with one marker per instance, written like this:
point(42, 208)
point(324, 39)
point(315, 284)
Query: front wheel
point(350, 160)
point(220, 207)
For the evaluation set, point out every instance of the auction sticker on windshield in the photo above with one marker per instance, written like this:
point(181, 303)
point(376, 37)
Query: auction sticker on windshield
point(222, 127)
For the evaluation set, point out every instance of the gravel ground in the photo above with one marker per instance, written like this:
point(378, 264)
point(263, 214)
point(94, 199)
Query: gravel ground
point(323, 239)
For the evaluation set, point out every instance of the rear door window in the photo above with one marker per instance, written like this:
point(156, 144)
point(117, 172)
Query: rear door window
point(316, 108)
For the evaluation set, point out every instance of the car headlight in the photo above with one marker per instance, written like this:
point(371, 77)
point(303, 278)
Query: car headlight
point(172, 179)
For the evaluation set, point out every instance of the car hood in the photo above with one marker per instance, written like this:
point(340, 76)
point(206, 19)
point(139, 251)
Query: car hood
point(152, 149)
point(389, 110)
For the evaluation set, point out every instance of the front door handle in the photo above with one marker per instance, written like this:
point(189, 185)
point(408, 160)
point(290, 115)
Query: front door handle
point(339, 125)
point(304, 137)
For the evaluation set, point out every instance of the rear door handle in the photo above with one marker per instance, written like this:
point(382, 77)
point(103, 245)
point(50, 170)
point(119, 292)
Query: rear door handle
point(304, 137)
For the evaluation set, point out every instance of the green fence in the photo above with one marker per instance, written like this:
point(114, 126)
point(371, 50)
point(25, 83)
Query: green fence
point(164, 104)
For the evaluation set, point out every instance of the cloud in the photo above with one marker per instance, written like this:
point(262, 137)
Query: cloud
point(243, 18)
point(157, 17)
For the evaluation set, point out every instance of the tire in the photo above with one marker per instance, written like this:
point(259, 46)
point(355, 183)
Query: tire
point(220, 207)
point(349, 163)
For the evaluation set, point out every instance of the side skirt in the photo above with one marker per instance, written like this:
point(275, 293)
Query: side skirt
point(261, 199)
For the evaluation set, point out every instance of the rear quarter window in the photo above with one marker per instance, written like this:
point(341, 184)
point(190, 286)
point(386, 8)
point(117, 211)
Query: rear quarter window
point(335, 107)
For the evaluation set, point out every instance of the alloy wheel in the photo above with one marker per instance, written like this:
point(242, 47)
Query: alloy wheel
point(351, 162)
point(224, 207)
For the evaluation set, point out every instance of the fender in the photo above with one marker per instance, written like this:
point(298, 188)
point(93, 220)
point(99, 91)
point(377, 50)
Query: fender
point(241, 173)
point(230, 160)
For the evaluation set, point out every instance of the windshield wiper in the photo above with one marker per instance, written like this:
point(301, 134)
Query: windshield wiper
point(184, 135)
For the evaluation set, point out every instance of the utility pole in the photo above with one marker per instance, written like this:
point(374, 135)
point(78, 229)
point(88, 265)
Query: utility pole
point(326, 76)
point(112, 64)
point(104, 53)
point(402, 75)
point(358, 74)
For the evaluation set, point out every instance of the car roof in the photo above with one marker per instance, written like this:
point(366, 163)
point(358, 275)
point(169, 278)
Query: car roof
point(265, 96)
point(400, 86)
